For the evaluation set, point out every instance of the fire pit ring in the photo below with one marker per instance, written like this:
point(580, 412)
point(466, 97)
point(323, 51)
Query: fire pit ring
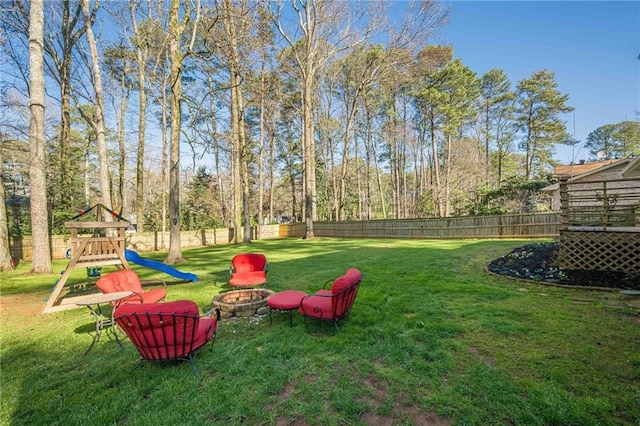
point(242, 303)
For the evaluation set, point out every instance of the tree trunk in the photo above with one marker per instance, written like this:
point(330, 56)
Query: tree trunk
point(122, 171)
point(239, 149)
point(235, 164)
point(99, 112)
point(175, 251)
point(272, 161)
point(142, 124)
point(244, 166)
point(309, 158)
point(261, 150)
point(217, 159)
point(5, 250)
point(41, 263)
point(436, 168)
point(345, 158)
point(141, 58)
point(165, 161)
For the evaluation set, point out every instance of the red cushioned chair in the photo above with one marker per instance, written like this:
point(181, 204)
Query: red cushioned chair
point(248, 270)
point(167, 331)
point(127, 280)
point(333, 305)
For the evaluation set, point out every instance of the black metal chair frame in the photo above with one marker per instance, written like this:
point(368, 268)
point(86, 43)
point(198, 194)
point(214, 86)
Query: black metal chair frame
point(343, 300)
point(186, 328)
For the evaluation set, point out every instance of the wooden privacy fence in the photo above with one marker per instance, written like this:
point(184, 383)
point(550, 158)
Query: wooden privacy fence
point(153, 241)
point(503, 226)
point(533, 225)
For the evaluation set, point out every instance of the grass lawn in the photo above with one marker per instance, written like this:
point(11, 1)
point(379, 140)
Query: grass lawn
point(432, 339)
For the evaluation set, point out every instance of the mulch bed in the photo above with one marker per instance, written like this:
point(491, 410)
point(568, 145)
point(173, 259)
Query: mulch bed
point(538, 262)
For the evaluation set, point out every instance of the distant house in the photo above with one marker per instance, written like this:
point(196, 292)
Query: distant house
point(584, 174)
point(632, 170)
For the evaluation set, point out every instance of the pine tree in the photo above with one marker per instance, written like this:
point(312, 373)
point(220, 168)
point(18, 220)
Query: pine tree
point(538, 108)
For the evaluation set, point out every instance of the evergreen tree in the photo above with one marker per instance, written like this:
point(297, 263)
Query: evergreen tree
point(538, 108)
point(496, 115)
point(618, 140)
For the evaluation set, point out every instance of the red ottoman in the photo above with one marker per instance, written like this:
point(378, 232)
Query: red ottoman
point(285, 301)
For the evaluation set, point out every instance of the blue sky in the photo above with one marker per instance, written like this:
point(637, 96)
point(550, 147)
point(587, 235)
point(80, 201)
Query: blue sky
point(592, 47)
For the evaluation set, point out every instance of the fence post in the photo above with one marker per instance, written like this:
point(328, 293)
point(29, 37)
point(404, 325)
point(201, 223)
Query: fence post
point(605, 206)
point(564, 203)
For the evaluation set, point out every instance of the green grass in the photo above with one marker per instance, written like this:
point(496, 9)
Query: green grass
point(432, 338)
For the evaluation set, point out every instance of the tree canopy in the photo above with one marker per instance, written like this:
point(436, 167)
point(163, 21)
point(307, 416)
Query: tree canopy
point(315, 110)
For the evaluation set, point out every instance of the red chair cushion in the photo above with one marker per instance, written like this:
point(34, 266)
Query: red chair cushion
point(286, 300)
point(185, 307)
point(345, 289)
point(163, 331)
point(149, 296)
point(249, 262)
point(251, 278)
point(333, 304)
point(122, 280)
point(318, 306)
point(127, 280)
point(351, 276)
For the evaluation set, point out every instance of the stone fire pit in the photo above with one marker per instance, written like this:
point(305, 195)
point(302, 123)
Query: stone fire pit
point(242, 303)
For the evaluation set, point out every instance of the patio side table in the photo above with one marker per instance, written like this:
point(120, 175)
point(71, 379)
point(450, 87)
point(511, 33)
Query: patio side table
point(103, 322)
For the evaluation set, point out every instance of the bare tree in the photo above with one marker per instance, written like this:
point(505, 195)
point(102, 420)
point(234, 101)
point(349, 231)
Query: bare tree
point(234, 21)
point(118, 60)
point(62, 30)
point(176, 57)
point(41, 259)
point(99, 109)
point(150, 45)
point(327, 28)
point(59, 45)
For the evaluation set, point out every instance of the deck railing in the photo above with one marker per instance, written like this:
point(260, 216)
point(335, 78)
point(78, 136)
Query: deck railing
point(600, 225)
point(600, 204)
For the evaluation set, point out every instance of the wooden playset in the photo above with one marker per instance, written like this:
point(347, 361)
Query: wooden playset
point(94, 244)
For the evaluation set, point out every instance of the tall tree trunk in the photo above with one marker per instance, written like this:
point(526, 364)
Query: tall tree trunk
point(309, 155)
point(99, 112)
point(261, 140)
point(124, 101)
point(41, 263)
point(5, 250)
point(447, 182)
point(436, 168)
point(175, 251)
point(165, 161)
point(69, 38)
point(237, 125)
point(141, 58)
point(403, 160)
point(487, 138)
point(376, 168)
point(345, 157)
point(244, 166)
point(142, 124)
point(235, 164)
point(358, 179)
point(396, 168)
point(216, 159)
point(272, 161)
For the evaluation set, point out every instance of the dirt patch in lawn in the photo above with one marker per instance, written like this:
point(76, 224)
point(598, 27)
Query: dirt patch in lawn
point(539, 262)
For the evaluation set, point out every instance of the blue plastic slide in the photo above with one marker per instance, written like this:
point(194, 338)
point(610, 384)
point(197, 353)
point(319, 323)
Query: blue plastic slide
point(134, 257)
